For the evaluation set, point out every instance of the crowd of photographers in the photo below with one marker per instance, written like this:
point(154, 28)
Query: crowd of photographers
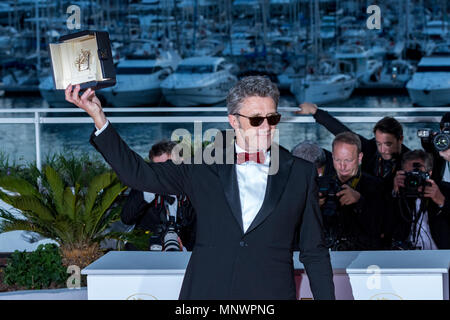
point(374, 194)
point(378, 194)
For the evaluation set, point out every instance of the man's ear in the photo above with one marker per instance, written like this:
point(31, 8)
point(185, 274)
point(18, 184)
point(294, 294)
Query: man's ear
point(360, 157)
point(401, 140)
point(234, 122)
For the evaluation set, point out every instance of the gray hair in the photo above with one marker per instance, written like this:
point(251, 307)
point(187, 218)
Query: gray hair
point(259, 86)
point(419, 154)
point(310, 151)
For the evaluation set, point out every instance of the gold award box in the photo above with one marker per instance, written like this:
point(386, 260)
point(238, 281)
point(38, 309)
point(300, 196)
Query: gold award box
point(83, 58)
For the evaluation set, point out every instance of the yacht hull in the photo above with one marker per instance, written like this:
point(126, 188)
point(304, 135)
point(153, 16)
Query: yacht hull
point(131, 98)
point(321, 93)
point(194, 96)
point(430, 97)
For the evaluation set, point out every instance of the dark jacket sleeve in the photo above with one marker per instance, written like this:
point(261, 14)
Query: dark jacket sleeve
point(134, 208)
point(313, 253)
point(334, 125)
point(162, 178)
point(444, 187)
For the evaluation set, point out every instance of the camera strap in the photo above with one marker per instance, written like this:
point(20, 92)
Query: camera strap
point(171, 206)
point(385, 167)
point(353, 182)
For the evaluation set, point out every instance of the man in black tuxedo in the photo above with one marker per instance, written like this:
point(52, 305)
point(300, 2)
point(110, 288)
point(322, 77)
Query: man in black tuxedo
point(246, 214)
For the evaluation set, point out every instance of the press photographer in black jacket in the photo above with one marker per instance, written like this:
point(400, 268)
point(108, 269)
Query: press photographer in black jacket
point(350, 201)
point(441, 153)
point(382, 154)
point(421, 215)
point(152, 212)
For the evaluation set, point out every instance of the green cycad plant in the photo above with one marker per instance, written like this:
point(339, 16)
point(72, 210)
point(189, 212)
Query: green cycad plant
point(63, 205)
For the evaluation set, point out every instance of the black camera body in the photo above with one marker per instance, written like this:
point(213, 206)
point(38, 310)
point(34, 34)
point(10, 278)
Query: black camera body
point(413, 181)
point(166, 237)
point(440, 139)
point(329, 187)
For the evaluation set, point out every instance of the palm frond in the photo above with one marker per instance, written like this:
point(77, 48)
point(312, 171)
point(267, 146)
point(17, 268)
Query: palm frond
point(56, 188)
point(33, 208)
point(18, 185)
point(97, 184)
point(107, 200)
point(69, 200)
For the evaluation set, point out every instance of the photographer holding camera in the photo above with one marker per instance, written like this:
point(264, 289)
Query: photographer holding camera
point(350, 200)
point(170, 218)
point(438, 144)
point(420, 215)
point(382, 154)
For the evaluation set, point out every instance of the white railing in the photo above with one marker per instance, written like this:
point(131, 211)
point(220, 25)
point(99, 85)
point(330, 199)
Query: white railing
point(39, 116)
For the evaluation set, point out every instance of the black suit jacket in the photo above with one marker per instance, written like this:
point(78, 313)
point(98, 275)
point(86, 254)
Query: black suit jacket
point(400, 222)
point(439, 163)
point(227, 263)
point(153, 216)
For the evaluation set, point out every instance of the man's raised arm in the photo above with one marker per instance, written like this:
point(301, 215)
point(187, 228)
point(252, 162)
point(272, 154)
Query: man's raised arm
point(132, 170)
point(323, 118)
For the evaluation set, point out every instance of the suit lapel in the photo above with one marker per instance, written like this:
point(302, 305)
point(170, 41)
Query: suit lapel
point(228, 177)
point(276, 184)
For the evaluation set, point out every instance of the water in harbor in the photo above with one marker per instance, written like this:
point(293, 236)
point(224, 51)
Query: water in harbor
point(18, 140)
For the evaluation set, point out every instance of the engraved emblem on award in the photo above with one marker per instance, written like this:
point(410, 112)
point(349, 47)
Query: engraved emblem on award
point(82, 61)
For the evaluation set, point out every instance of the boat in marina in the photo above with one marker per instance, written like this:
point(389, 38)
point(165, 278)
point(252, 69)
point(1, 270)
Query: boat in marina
point(430, 84)
point(138, 80)
point(199, 81)
point(392, 74)
point(360, 61)
point(19, 77)
point(54, 98)
point(322, 89)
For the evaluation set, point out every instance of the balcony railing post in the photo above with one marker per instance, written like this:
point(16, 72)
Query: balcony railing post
point(37, 131)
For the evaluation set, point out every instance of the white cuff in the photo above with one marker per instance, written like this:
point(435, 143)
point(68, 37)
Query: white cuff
point(102, 129)
point(149, 197)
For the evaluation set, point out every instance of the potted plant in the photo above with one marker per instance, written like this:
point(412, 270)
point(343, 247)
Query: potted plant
point(72, 200)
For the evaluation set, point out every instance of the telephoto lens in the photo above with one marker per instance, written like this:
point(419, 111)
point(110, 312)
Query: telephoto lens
point(171, 237)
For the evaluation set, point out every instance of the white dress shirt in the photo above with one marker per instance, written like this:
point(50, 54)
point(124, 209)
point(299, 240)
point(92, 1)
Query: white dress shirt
point(252, 182)
point(424, 238)
point(446, 177)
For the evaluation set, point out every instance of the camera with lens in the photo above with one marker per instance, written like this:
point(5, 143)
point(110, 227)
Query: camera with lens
point(414, 180)
point(170, 239)
point(328, 188)
point(440, 139)
point(166, 237)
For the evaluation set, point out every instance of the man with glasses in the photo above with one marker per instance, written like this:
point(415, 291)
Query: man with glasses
point(246, 214)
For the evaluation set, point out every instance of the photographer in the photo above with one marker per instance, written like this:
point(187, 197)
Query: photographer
point(161, 213)
point(438, 144)
point(420, 215)
point(311, 152)
point(382, 154)
point(350, 200)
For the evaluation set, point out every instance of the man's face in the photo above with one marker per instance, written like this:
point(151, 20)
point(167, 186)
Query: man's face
point(387, 144)
point(346, 160)
point(162, 158)
point(254, 138)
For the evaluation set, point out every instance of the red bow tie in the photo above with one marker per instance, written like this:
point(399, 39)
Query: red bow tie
point(257, 157)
